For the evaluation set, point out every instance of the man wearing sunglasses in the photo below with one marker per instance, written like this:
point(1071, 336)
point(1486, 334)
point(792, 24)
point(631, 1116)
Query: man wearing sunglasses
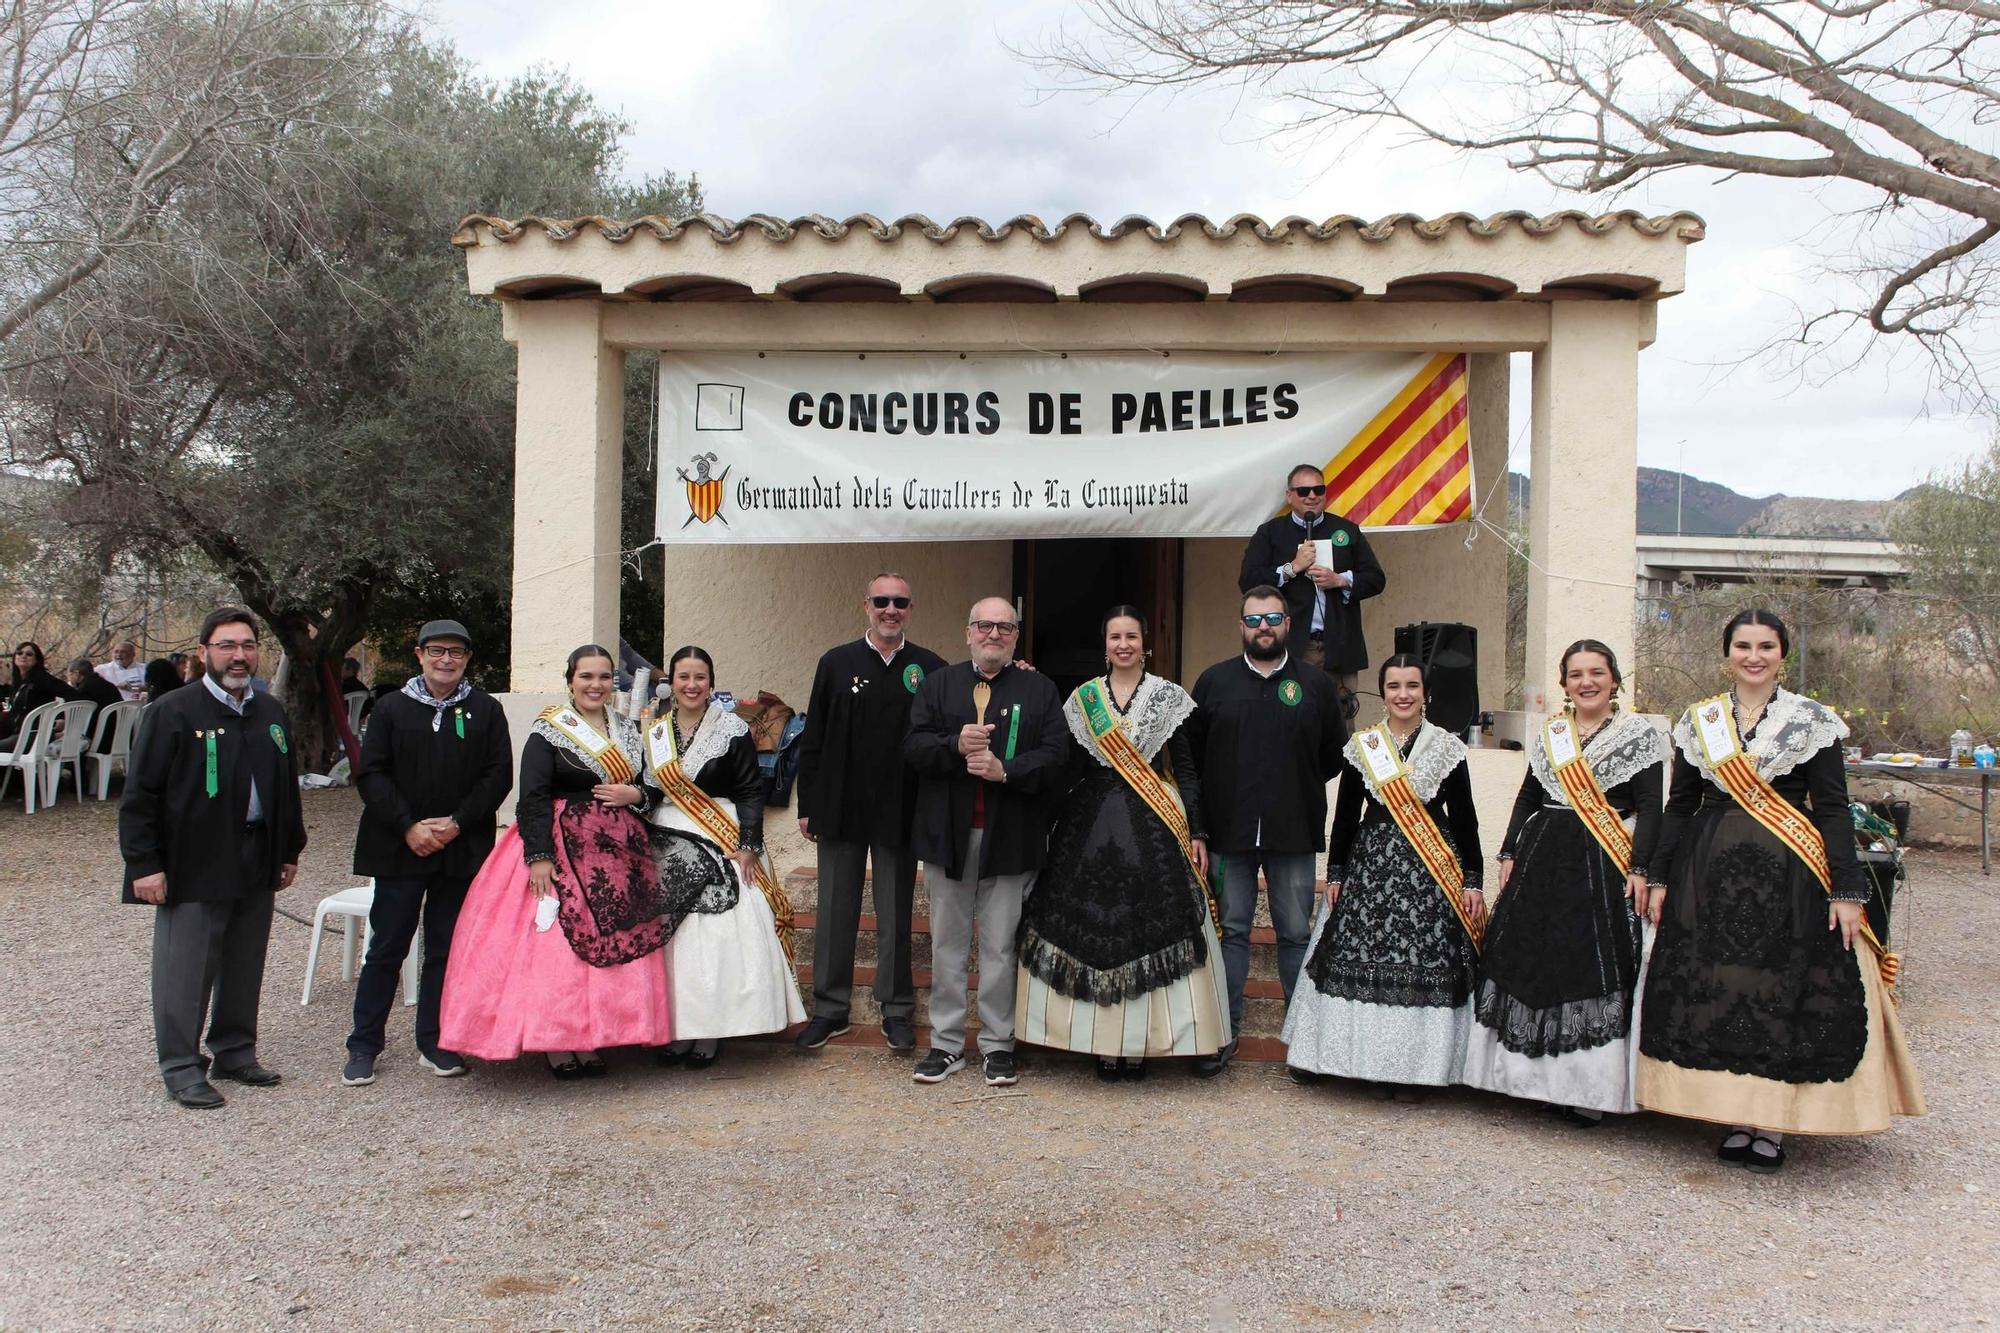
point(855, 796)
point(988, 744)
point(436, 762)
point(1323, 600)
point(1267, 734)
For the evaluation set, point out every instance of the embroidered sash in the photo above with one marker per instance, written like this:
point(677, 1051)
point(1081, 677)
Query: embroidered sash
point(1579, 783)
point(1115, 744)
point(1714, 724)
point(605, 753)
point(713, 820)
point(1389, 782)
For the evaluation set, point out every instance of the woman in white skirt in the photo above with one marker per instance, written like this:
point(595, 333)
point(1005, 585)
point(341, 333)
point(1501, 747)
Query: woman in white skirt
point(729, 970)
point(1386, 991)
point(1563, 958)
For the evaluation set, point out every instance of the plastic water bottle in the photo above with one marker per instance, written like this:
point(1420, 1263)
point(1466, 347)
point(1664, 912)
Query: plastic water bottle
point(1961, 748)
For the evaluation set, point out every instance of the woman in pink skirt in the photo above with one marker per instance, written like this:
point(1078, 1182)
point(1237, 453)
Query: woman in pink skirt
point(553, 947)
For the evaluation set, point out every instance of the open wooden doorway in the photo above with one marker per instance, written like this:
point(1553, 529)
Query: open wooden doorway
point(1066, 585)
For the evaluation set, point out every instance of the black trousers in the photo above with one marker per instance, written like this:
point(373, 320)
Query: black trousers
point(208, 965)
point(392, 923)
point(840, 876)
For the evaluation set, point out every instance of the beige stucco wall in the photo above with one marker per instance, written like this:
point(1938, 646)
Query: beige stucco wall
point(766, 613)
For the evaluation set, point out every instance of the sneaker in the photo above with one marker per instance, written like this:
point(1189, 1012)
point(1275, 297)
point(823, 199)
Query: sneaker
point(445, 1064)
point(1000, 1069)
point(900, 1034)
point(821, 1031)
point(937, 1065)
point(359, 1071)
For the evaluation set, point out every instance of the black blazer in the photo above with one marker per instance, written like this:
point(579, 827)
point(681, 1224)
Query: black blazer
point(1017, 810)
point(1266, 748)
point(1277, 542)
point(38, 687)
point(168, 822)
point(409, 773)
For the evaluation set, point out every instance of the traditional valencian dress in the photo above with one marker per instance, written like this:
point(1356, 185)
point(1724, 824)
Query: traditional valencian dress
point(1564, 951)
point(572, 972)
point(1386, 991)
point(1755, 1014)
point(1118, 951)
point(728, 962)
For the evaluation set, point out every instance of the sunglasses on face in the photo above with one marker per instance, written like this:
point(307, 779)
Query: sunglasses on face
point(1270, 618)
point(884, 603)
point(1308, 492)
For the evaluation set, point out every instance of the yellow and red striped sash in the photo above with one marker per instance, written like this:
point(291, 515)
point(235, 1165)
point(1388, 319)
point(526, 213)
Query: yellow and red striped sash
point(713, 820)
point(617, 768)
point(1119, 751)
point(1714, 725)
point(1389, 782)
point(1586, 794)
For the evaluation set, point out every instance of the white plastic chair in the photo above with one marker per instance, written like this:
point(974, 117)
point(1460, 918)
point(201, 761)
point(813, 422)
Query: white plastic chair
point(122, 721)
point(73, 721)
point(356, 701)
point(31, 742)
point(352, 905)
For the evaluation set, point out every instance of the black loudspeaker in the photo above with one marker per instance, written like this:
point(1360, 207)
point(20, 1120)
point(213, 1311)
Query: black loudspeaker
point(1450, 654)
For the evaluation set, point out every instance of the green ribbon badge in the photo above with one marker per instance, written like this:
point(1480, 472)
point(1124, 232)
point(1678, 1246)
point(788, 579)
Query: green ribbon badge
point(278, 739)
point(458, 722)
point(1290, 693)
point(913, 676)
point(1013, 732)
point(1340, 537)
point(210, 784)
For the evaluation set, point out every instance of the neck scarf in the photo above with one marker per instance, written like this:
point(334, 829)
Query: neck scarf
point(416, 689)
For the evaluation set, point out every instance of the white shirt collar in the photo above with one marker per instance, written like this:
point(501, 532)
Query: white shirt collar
point(229, 700)
point(888, 657)
point(1273, 671)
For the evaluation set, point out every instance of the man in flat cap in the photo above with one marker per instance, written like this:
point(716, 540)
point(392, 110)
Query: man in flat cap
point(436, 763)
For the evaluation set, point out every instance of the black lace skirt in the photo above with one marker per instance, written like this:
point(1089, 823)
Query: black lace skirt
point(1562, 950)
point(1392, 938)
point(1745, 976)
point(1117, 912)
point(693, 875)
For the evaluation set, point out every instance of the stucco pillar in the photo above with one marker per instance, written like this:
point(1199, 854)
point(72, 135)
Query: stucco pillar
point(568, 460)
point(1583, 507)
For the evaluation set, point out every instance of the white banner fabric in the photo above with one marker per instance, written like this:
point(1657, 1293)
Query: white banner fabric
point(788, 448)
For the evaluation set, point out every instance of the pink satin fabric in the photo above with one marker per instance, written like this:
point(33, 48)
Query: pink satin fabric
point(510, 988)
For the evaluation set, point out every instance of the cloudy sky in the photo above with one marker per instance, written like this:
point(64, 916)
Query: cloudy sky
point(893, 108)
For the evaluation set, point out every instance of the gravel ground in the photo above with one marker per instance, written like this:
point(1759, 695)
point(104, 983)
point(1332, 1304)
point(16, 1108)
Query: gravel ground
point(780, 1191)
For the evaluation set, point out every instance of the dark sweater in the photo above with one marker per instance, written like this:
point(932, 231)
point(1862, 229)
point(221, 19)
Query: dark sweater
point(410, 773)
point(1016, 812)
point(1266, 748)
point(853, 782)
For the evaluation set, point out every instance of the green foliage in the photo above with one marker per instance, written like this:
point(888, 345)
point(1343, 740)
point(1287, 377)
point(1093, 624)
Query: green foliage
point(1950, 533)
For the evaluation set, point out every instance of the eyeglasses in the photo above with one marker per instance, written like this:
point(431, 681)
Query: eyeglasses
point(1002, 627)
point(1306, 492)
point(232, 645)
point(439, 652)
point(884, 603)
point(1271, 618)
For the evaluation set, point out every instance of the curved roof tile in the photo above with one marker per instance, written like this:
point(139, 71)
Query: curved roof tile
point(1684, 226)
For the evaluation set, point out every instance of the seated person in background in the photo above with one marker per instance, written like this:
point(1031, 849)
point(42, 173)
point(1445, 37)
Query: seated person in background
point(89, 685)
point(33, 687)
point(124, 670)
point(162, 677)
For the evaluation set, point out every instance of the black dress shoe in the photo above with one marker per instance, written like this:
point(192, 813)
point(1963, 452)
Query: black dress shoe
point(1766, 1157)
point(900, 1034)
point(696, 1060)
point(1208, 1066)
point(1108, 1070)
point(197, 1096)
point(821, 1031)
point(1735, 1146)
point(1134, 1070)
point(252, 1074)
point(1305, 1078)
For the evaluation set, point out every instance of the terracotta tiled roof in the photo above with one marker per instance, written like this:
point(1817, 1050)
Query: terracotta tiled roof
point(1682, 225)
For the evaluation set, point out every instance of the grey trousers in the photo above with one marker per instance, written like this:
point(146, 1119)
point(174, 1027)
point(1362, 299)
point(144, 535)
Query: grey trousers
point(208, 962)
point(995, 904)
point(841, 866)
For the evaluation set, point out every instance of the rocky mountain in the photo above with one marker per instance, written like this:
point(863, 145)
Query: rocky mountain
point(1671, 502)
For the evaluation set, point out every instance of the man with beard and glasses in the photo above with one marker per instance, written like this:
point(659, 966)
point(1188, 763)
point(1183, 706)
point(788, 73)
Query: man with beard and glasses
point(435, 766)
point(1267, 734)
point(855, 798)
point(988, 744)
point(210, 828)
